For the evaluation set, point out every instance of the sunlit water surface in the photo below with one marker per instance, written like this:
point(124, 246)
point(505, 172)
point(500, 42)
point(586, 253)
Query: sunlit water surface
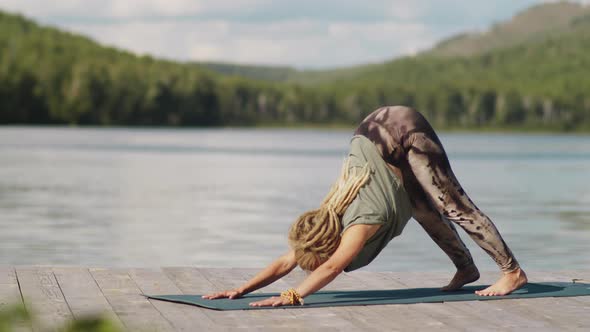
point(226, 197)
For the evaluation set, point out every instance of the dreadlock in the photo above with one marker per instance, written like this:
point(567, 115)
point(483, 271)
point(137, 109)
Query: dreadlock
point(315, 235)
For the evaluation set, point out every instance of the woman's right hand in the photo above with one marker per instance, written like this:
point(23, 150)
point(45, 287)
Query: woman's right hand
point(230, 294)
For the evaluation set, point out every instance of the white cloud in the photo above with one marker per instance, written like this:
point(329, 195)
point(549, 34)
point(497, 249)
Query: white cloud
point(124, 8)
point(304, 33)
point(138, 8)
point(302, 43)
point(38, 8)
point(132, 8)
point(407, 10)
point(206, 51)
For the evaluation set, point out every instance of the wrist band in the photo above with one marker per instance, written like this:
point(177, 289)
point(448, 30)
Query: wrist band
point(293, 297)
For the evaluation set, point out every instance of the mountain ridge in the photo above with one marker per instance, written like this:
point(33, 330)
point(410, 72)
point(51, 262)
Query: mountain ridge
point(534, 23)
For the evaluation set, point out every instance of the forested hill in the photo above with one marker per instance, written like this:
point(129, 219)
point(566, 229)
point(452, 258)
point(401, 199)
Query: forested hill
point(266, 73)
point(542, 84)
point(49, 76)
point(533, 24)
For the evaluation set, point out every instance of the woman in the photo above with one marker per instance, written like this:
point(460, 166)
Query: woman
point(396, 169)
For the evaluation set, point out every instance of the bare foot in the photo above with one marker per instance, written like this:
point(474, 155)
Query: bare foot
point(508, 283)
point(462, 277)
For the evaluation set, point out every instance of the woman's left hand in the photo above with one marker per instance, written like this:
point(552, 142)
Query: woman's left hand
point(275, 301)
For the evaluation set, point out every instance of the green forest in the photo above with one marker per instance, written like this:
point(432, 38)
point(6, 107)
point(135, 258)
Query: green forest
point(532, 75)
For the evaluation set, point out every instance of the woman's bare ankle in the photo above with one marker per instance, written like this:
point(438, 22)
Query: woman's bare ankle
point(509, 282)
point(463, 276)
point(517, 274)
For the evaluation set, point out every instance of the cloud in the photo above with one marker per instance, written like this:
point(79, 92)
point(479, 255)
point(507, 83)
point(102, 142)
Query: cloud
point(109, 11)
point(304, 33)
point(123, 8)
point(304, 43)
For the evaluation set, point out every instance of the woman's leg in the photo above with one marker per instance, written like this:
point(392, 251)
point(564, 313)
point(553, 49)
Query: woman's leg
point(432, 169)
point(408, 142)
point(440, 230)
point(444, 234)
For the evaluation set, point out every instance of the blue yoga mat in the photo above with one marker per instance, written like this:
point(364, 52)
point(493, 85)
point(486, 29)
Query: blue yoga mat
point(394, 296)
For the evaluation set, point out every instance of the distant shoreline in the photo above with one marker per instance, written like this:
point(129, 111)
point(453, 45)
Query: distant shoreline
point(319, 127)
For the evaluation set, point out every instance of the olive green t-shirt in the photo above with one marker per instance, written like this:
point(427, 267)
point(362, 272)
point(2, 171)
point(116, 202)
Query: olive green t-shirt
point(382, 200)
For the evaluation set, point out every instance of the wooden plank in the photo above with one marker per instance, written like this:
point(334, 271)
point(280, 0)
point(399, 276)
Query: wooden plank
point(82, 294)
point(228, 278)
point(193, 281)
point(406, 317)
point(190, 281)
point(492, 313)
point(362, 316)
point(9, 292)
point(578, 276)
point(181, 316)
point(43, 297)
point(10, 296)
point(377, 318)
point(325, 319)
point(248, 273)
point(543, 313)
point(559, 313)
point(380, 317)
point(126, 299)
point(570, 312)
point(58, 294)
point(457, 315)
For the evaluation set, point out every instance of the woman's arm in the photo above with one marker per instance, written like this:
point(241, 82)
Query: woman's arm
point(277, 269)
point(351, 244)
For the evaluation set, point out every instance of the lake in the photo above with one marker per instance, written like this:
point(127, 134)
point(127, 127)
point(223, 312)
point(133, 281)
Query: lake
point(226, 197)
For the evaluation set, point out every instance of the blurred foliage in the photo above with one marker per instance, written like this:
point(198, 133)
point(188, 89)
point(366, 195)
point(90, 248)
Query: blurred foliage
point(52, 77)
point(267, 73)
point(16, 318)
point(13, 316)
point(91, 324)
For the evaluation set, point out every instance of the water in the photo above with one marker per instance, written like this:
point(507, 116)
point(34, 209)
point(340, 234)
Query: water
point(226, 197)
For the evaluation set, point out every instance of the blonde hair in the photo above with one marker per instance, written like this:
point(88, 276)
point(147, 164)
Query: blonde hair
point(315, 235)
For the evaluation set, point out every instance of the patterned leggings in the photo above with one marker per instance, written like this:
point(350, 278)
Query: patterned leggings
point(409, 144)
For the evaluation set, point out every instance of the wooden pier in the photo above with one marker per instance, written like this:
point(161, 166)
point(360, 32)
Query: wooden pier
point(56, 295)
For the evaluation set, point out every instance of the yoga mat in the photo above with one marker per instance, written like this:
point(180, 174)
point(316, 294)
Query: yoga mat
point(395, 296)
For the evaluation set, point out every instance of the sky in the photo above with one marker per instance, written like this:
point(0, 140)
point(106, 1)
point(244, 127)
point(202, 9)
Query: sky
point(306, 34)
